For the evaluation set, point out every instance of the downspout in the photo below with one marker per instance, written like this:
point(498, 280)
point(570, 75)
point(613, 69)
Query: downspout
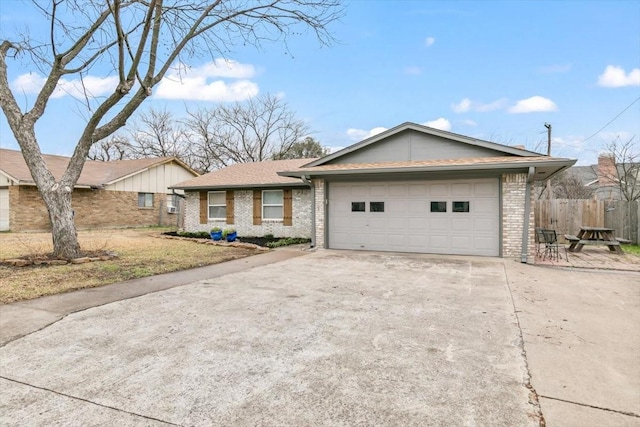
point(307, 181)
point(527, 211)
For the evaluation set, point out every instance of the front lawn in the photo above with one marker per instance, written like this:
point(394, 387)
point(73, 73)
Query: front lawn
point(139, 255)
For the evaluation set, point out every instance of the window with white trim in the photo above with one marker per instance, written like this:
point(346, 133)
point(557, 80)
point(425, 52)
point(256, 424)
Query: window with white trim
point(145, 200)
point(217, 205)
point(272, 204)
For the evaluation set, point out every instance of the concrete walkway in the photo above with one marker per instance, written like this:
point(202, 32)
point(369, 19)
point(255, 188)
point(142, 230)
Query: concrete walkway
point(22, 318)
point(581, 330)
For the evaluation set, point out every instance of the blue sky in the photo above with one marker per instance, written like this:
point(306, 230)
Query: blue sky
point(491, 70)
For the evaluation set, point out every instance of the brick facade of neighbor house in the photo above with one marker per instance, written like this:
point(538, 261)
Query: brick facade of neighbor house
point(514, 187)
point(92, 209)
point(243, 216)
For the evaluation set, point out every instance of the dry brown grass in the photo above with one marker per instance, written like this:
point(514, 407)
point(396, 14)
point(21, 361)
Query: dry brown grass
point(139, 255)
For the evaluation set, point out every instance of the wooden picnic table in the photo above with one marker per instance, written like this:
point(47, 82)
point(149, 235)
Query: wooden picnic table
point(594, 236)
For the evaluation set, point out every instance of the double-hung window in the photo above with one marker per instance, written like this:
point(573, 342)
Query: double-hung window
point(272, 204)
point(145, 200)
point(217, 205)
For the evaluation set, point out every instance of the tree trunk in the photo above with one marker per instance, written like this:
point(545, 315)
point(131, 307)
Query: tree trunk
point(63, 229)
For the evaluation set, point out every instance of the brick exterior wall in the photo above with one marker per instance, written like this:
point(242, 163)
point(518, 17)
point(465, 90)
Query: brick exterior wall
point(513, 206)
point(93, 209)
point(243, 216)
point(320, 186)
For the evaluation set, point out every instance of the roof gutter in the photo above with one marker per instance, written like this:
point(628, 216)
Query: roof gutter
point(496, 166)
point(527, 212)
point(307, 181)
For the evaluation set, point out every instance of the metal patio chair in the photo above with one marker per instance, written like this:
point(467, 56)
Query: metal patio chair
point(551, 245)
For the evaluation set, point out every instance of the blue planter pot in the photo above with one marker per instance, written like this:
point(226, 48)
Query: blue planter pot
point(216, 235)
point(231, 237)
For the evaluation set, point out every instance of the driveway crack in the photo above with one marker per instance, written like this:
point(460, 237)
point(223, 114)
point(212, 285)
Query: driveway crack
point(533, 395)
point(147, 417)
point(630, 414)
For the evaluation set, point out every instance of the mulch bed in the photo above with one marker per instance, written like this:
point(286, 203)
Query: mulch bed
point(49, 259)
point(258, 241)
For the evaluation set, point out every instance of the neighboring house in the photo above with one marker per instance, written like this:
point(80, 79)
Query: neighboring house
point(250, 197)
point(123, 193)
point(409, 189)
point(603, 177)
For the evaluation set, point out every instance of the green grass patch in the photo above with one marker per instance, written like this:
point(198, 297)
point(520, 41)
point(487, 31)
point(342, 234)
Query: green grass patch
point(631, 249)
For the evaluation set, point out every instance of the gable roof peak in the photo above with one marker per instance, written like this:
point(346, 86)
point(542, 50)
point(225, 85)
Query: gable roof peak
point(507, 149)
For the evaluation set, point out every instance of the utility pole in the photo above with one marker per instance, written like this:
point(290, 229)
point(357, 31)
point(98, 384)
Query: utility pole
point(548, 126)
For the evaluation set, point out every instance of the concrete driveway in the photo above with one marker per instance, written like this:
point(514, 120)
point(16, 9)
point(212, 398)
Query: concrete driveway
point(330, 338)
point(339, 338)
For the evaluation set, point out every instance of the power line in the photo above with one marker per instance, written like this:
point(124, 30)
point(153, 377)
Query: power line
point(611, 121)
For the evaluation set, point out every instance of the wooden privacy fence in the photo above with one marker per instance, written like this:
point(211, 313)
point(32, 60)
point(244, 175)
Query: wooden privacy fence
point(567, 215)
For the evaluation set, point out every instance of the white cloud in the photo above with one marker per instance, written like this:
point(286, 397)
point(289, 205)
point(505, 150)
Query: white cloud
point(616, 77)
point(360, 134)
point(413, 71)
point(440, 123)
point(535, 104)
point(92, 86)
point(492, 106)
point(468, 105)
point(555, 68)
point(198, 83)
point(462, 107)
point(429, 41)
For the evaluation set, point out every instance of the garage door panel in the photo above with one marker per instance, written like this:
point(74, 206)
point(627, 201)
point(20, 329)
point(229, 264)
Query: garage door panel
point(398, 240)
point(379, 190)
point(483, 226)
point(462, 242)
point(439, 223)
point(377, 240)
point(483, 243)
point(399, 190)
point(438, 241)
point(407, 223)
point(397, 207)
point(462, 225)
point(377, 223)
point(485, 206)
point(417, 207)
point(436, 190)
point(461, 190)
point(485, 189)
point(414, 224)
point(359, 191)
point(421, 190)
point(397, 224)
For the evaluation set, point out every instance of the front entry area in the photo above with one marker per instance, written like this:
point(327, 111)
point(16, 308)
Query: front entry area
point(458, 217)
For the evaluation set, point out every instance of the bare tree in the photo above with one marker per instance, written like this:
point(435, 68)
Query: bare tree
point(255, 130)
point(156, 133)
point(568, 185)
point(306, 149)
point(139, 41)
point(115, 147)
point(626, 171)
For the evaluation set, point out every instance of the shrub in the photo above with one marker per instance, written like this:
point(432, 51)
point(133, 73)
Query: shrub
point(195, 234)
point(288, 241)
point(227, 231)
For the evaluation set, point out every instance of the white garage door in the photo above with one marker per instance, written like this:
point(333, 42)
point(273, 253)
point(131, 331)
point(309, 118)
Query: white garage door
point(442, 217)
point(4, 209)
